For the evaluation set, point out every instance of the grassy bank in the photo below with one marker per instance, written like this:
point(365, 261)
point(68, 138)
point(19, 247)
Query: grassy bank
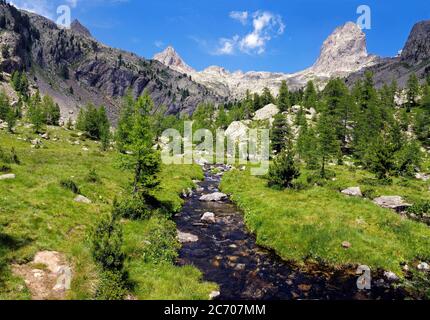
point(37, 213)
point(314, 222)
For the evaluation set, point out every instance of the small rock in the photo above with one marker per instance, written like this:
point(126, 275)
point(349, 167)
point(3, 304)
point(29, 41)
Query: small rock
point(214, 295)
point(186, 237)
point(305, 287)
point(208, 217)
point(216, 196)
point(240, 267)
point(82, 199)
point(423, 266)
point(353, 191)
point(45, 136)
point(9, 176)
point(346, 245)
point(391, 276)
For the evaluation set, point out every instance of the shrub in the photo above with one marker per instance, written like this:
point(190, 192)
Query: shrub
point(5, 168)
point(370, 193)
point(420, 208)
point(11, 157)
point(283, 171)
point(132, 207)
point(106, 244)
point(93, 177)
point(111, 286)
point(70, 185)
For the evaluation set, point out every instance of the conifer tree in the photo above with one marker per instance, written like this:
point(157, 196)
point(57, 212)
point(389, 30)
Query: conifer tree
point(284, 103)
point(122, 134)
point(413, 91)
point(281, 134)
point(310, 96)
point(283, 170)
point(328, 146)
point(266, 97)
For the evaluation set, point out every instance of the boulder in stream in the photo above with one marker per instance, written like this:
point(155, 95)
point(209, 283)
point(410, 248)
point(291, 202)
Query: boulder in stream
point(208, 217)
point(216, 196)
point(184, 237)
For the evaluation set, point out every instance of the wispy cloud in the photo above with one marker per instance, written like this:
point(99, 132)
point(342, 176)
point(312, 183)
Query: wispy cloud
point(241, 16)
point(42, 7)
point(265, 26)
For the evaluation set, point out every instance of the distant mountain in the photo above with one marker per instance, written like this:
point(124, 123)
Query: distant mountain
point(75, 69)
point(343, 52)
point(414, 58)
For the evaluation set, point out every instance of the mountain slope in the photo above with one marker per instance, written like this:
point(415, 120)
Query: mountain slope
point(342, 53)
point(76, 69)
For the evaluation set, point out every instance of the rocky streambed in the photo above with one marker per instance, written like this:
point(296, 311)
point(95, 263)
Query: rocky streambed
point(215, 240)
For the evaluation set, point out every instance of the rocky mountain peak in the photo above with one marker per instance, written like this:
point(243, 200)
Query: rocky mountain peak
point(79, 28)
point(344, 51)
point(417, 47)
point(170, 58)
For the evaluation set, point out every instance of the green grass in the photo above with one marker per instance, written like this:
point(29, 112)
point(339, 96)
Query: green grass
point(311, 224)
point(37, 213)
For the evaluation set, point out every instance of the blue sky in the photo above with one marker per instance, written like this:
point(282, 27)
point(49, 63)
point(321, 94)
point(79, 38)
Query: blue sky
point(269, 35)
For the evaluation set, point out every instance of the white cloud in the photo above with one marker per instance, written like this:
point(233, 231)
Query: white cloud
point(266, 26)
point(159, 44)
point(241, 16)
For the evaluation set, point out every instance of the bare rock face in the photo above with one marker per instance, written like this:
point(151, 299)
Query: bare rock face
point(171, 59)
point(417, 47)
point(343, 52)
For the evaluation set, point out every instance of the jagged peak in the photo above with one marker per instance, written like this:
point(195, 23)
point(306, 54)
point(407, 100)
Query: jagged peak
point(170, 58)
point(80, 28)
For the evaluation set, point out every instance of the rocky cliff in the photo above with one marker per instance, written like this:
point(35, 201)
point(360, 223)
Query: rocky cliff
point(414, 58)
point(75, 69)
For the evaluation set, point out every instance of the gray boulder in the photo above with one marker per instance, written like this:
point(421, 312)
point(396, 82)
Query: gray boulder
point(216, 196)
point(353, 191)
point(392, 202)
point(208, 217)
point(82, 199)
point(184, 237)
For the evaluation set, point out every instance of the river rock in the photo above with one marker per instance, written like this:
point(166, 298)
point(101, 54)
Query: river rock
point(214, 295)
point(9, 176)
point(392, 202)
point(82, 199)
point(423, 266)
point(391, 276)
point(216, 196)
point(208, 217)
point(353, 191)
point(184, 237)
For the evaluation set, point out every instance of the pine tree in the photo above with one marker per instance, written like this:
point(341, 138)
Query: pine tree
point(284, 97)
point(222, 119)
point(4, 105)
point(281, 134)
point(283, 171)
point(257, 101)
point(122, 134)
point(413, 91)
point(310, 96)
point(144, 160)
point(266, 97)
point(328, 146)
